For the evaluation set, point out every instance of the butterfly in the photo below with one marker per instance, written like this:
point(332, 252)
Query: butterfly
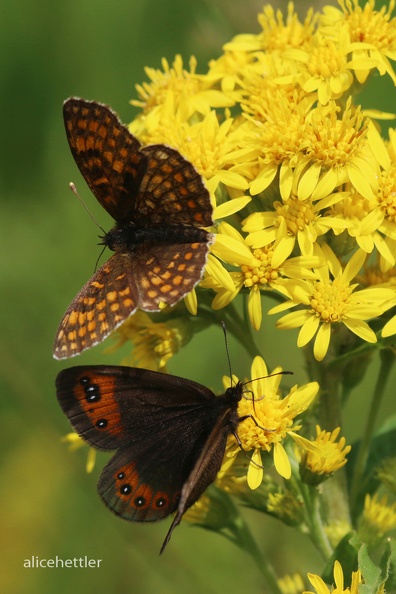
point(169, 434)
point(160, 206)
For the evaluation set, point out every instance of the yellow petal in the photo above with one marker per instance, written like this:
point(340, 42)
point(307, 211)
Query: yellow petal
point(255, 471)
point(281, 461)
point(230, 207)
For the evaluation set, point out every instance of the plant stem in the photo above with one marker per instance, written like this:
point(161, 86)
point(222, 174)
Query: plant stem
point(387, 360)
point(334, 496)
point(317, 531)
point(246, 541)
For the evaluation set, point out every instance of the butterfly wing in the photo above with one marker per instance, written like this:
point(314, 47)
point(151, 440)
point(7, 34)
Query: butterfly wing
point(206, 467)
point(153, 276)
point(107, 155)
point(172, 190)
point(165, 273)
point(103, 303)
point(161, 425)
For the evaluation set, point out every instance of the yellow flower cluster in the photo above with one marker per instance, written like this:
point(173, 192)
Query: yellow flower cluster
point(301, 172)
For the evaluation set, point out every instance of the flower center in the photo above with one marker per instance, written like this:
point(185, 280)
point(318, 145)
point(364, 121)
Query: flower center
point(330, 300)
point(353, 206)
point(298, 214)
point(325, 61)
point(387, 194)
point(263, 274)
point(335, 141)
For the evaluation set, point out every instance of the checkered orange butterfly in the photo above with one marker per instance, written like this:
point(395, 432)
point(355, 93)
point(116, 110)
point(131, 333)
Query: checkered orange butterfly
point(160, 206)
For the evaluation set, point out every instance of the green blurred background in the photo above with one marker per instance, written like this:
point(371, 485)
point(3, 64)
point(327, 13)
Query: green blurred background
point(49, 506)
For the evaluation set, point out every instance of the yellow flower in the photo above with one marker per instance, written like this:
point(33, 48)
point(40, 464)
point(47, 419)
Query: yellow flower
point(277, 35)
point(229, 70)
point(330, 456)
point(336, 150)
point(270, 421)
point(262, 271)
point(321, 588)
point(292, 222)
point(184, 87)
point(274, 133)
point(372, 33)
point(332, 299)
point(208, 145)
point(291, 584)
point(75, 443)
point(325, 68)
point(377, 520)
point(154, 343)
point(385, 200)
point(363, 219)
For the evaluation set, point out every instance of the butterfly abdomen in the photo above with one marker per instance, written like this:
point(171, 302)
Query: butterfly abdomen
point(126, 237)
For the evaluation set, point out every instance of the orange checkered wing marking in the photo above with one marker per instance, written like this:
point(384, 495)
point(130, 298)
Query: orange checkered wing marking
point(103, 303)
point(107, 155)
point(172, 190)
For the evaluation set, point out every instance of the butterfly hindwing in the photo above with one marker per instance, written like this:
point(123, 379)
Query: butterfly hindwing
point(104, 302)
point(143, 482)
point(164, 275)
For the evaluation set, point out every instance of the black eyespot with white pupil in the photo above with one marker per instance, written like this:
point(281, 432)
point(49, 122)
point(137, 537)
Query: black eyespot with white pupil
point(125, 489)
point(92, 391)
point(140, 501)
point(160, 502)
point(101, 424)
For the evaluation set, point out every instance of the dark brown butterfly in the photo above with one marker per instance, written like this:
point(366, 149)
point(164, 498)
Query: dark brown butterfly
point(159, 203)
point(170, 434)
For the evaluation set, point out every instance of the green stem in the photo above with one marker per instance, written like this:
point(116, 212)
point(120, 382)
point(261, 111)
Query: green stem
point(246, 541)
point(334, 492)
point(387, 360)
point(317, 532)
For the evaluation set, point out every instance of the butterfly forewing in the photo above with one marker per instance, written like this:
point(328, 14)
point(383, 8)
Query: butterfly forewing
point(107, 155)
point(172, 189)
point(206, 466)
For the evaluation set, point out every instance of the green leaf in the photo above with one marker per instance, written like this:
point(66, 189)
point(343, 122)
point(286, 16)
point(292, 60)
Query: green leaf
point(383, 446)
point(374, 574)
point(346, 552)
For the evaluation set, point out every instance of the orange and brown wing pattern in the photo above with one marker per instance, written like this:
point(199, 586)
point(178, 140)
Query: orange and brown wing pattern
point(165, 274)
point(104, 302)
point(107, 155)
point(172, 190)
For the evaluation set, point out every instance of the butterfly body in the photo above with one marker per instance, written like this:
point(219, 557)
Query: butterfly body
point(128, 237)
point(161, 209)
point(170, 434)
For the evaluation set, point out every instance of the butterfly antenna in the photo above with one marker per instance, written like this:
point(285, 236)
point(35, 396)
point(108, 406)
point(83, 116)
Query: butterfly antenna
point(226, 347)
point(74, 190)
